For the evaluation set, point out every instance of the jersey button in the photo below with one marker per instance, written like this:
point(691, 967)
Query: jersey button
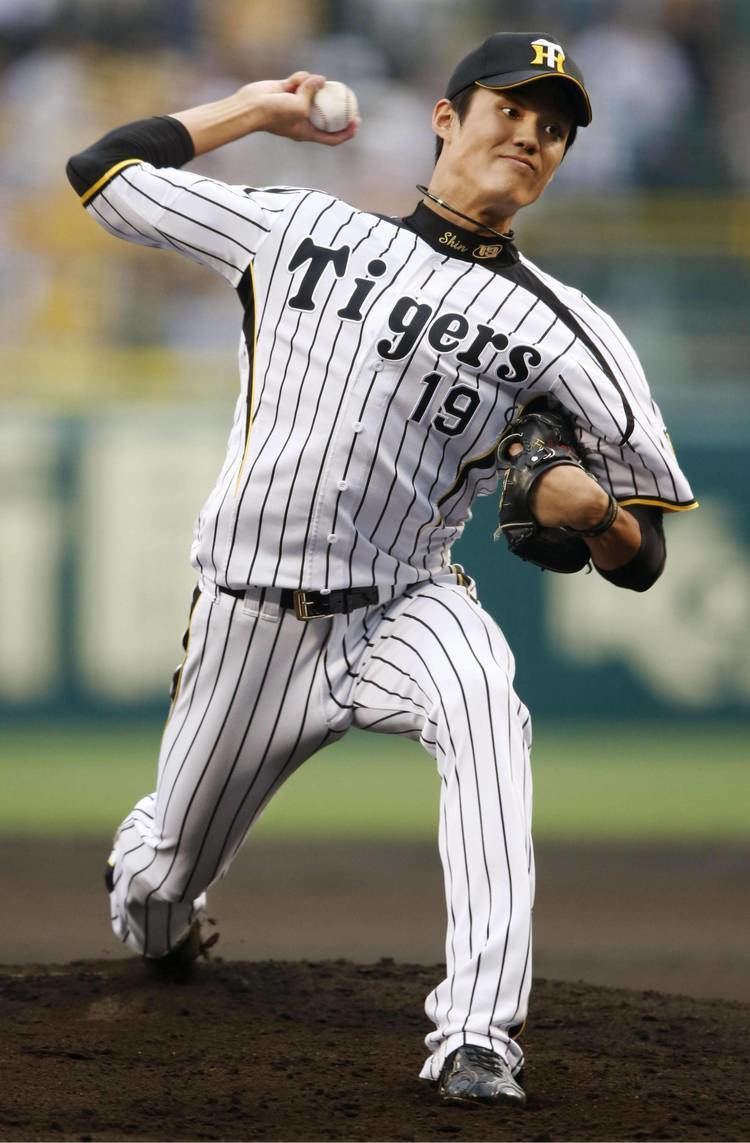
point(343, 485)
point(332, 538)
point(358, 426)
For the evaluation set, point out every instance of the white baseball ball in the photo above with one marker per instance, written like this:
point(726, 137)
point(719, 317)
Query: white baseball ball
point(333, 107)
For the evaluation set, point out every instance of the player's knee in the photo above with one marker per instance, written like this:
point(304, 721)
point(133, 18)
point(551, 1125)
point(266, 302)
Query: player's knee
point(477, 687)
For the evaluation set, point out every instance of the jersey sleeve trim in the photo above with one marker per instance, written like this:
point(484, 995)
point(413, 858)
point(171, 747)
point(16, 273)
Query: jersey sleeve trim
point(161, 141)
point(655, 502)
point(107, 178)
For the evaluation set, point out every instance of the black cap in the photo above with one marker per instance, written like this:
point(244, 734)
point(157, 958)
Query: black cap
point(511, 59)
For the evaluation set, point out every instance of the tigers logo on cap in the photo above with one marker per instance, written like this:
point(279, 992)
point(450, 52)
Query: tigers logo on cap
point(511, 59)
point(549, 54)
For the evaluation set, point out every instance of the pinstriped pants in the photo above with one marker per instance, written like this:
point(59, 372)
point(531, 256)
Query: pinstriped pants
point(260, 692)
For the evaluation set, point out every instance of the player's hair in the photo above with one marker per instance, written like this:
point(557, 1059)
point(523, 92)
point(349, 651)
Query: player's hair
point(461, 104)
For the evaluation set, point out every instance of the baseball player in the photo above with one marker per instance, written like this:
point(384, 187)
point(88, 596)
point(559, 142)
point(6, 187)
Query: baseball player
point(381, 361)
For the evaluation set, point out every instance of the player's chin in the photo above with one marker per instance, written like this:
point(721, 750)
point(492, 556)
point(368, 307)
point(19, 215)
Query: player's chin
point(520, 196)
point(514, 191)
point(508, 203)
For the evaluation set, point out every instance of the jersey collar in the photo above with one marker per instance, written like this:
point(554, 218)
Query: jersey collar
point(457, 242)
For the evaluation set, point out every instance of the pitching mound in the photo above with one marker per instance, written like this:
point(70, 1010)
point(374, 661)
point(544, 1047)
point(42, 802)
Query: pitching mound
point(292, 1051)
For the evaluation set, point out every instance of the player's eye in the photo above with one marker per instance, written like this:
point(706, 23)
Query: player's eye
point(554, 130)
point(510, 112)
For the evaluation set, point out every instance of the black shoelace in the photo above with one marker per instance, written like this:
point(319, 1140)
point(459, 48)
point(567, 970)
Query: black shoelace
point(484, 1058)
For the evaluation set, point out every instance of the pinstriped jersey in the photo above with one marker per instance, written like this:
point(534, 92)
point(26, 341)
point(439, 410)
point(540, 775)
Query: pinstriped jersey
point(380, 359)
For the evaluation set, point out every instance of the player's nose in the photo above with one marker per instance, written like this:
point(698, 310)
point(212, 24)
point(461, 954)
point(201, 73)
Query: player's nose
point(526, 135)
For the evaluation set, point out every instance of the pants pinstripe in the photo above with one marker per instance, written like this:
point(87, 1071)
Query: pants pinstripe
point(260, 692)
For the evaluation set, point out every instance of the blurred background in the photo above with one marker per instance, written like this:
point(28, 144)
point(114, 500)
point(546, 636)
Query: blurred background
point(118, 380)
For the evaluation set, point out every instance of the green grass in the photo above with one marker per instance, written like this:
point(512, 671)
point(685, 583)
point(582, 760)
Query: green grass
point(604, 783)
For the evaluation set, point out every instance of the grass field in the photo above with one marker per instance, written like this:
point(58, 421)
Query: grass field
point(603, 783)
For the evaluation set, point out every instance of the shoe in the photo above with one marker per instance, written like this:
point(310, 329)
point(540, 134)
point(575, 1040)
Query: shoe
point(179, 962)
point(478, 1075)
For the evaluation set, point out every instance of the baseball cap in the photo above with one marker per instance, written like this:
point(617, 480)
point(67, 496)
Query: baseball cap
point(511, 59)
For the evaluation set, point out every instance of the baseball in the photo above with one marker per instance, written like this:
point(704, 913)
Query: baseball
point(333, 107)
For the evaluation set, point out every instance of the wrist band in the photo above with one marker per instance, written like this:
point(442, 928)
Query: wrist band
point(604, 524)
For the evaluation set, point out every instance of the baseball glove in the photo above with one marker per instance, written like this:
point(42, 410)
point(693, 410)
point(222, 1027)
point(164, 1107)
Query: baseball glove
point(546, 434)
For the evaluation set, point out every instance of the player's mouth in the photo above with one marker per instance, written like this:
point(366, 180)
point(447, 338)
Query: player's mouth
point(519, 162)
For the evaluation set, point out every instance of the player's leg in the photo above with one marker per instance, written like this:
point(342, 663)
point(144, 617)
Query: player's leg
point(440, 670)
point(247, 713)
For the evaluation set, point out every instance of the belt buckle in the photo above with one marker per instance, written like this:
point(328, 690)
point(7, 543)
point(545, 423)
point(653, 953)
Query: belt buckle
point(302, 607)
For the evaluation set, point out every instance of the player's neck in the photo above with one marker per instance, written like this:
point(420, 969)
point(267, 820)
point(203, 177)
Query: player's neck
point(449, 237)
point(474, 217)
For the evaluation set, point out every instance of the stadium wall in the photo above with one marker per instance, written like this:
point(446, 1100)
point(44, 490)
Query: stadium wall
point(98, 511)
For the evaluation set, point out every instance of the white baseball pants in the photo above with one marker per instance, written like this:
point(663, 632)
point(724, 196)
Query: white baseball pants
point(261, 691)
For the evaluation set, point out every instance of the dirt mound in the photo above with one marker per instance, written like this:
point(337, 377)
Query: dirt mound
point(330, 1051)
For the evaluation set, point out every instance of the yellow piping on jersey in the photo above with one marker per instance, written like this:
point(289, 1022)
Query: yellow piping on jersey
point(177, 682)
point(106, 178)
point(654, 502)
point(446, 495)
point(466, 464)
point(250, 382)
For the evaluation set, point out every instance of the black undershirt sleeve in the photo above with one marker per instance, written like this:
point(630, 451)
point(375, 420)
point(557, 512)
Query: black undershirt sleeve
point(161, 141)
point(642, 571)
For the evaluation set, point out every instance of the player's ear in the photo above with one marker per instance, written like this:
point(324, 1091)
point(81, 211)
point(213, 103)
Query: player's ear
point(443, 118)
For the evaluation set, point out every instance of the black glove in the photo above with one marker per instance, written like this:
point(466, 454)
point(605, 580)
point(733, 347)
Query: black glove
point(546, 433)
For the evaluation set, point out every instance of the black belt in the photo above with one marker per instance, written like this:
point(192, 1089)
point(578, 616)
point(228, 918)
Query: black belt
point(316, 604)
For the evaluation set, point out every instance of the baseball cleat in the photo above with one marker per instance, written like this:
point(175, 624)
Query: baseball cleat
point(180, 960)
point(477, 1075)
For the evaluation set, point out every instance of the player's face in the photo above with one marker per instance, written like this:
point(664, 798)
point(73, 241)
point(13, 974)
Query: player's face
point(506, 150)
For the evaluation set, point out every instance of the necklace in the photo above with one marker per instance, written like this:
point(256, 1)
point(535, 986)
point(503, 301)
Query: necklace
point(466, 217)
